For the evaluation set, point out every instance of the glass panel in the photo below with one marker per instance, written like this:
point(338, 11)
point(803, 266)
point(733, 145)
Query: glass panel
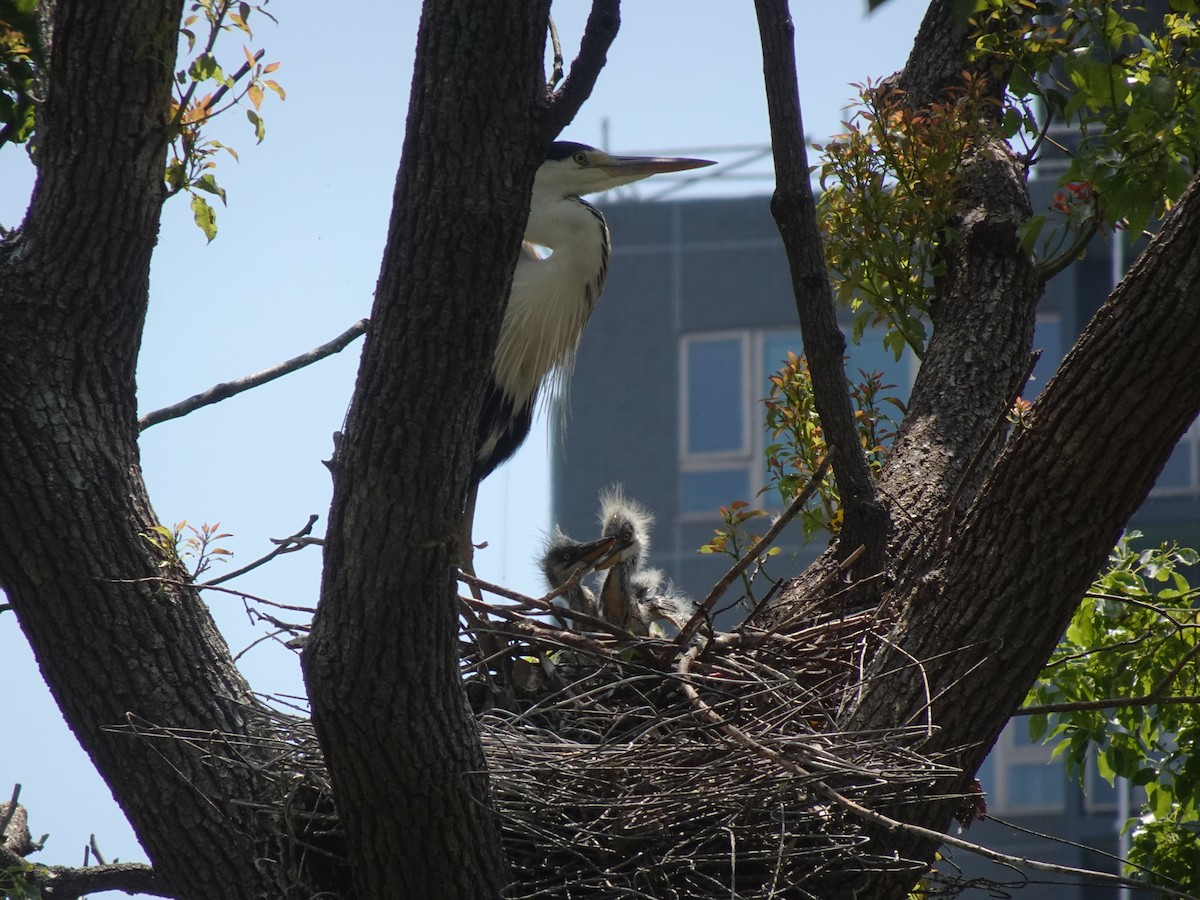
point(871, 356)
point(1047, 337)
point(704, 492)
point(716, 419)
point(775, 350)
point(1177, 473)
point(1036, 785)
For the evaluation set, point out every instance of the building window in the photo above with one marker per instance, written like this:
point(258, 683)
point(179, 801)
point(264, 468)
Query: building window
point(1019, 777)
point(715, 373)
point(1181, 475)
point(723, 380)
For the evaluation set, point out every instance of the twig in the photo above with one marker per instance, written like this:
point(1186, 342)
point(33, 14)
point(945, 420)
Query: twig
point(541, 604)
point(685, 633)
point(556, 73)
point(227, 389)
point(1106, 703)
point(176, 582)
point(1165, 681)
point(936, 837)
point(285, 545)
point(602, 25)
point(9, 812)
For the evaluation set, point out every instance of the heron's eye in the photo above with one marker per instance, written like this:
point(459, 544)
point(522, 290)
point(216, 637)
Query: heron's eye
point(581, 158)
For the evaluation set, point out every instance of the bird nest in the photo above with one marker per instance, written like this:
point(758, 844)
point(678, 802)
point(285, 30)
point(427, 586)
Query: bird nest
point(630, 767)
point(640, 767)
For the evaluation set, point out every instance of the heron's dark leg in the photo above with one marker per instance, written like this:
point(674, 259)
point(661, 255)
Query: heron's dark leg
point(493, 649)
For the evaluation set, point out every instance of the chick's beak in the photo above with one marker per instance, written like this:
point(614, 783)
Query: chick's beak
point(592, 551)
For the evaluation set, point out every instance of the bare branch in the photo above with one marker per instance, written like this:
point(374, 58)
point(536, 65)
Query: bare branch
point(227, 389)
point(794, 208)
point(685, 633)
point(67, 883)
point(556, 73)
point(601, 30)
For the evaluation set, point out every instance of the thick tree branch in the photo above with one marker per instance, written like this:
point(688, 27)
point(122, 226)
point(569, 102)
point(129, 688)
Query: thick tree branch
point(227, 389)
point(1055, 502)
point(937, 59)
point(601, 30)
point(74, 512)
point(866, 522)
point(381, 666)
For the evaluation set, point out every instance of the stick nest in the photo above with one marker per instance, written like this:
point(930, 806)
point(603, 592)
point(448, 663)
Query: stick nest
point(628, 768)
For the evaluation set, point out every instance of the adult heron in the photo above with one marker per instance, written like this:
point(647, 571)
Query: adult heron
point(559, 275)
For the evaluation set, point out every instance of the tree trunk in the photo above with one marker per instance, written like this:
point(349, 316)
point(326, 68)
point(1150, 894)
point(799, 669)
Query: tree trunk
point(120, 647)
point(986, 573)
point(993, 607)
point(382, 667)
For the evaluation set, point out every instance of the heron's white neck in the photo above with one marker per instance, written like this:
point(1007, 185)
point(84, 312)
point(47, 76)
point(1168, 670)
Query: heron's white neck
point(551, 296)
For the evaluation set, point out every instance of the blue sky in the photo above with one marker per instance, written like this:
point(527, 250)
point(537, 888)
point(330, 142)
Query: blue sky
point(295, 264)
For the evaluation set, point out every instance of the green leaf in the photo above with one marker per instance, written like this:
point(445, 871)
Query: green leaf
point(1037, 727)
point(260, 130)
point(208, 183)
point(205, 67)
point(205, 218)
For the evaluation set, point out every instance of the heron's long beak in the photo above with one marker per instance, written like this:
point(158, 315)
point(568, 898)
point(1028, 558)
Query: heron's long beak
point(634, 167)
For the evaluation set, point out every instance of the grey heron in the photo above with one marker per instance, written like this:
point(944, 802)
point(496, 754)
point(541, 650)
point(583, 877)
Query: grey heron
point(554, 290)
point(563, 559)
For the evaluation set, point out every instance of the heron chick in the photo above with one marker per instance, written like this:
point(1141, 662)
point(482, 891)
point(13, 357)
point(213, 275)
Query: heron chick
point(656, 600)
point(563, 559)
point(629, 523)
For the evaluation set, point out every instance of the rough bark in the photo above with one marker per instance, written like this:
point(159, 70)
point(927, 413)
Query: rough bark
point(989, 558)
point(115, 644)
point(1049, 512)
point(381, 669)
